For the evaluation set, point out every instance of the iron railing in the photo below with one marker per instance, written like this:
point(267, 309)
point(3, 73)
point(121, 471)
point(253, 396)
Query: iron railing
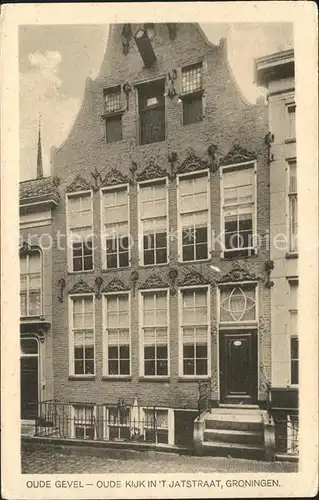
point(287, 431)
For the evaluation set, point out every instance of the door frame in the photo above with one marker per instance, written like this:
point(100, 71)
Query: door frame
point(252, 333)
point(36, 338)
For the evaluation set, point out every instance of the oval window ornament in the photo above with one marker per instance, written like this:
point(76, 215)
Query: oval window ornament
point(237, 343)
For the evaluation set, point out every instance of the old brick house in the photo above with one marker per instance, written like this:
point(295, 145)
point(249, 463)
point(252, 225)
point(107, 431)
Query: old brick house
point(164, 155)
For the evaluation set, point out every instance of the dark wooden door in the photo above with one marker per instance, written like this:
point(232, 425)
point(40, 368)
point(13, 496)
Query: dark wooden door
point(29, 387)
point(238, 367)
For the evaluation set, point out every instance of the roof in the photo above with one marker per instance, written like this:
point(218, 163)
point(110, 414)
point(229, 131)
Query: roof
point(38, 191)
point(274, 66)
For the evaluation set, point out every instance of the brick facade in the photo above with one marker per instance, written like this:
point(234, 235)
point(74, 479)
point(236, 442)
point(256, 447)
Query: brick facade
point(227, 118)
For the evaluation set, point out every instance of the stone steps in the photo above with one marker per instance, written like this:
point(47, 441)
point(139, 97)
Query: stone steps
point(234, 436)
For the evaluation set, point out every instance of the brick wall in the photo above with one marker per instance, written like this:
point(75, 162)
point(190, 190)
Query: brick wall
point(226, 117)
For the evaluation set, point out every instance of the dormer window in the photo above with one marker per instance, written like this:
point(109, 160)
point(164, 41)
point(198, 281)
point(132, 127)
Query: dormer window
point(192, 93)
point(113, 114)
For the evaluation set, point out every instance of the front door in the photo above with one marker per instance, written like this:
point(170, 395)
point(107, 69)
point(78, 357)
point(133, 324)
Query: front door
point(238, 367)
point(29, 377)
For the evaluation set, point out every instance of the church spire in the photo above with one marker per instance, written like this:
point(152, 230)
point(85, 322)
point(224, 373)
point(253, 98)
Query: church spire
point(39, 158)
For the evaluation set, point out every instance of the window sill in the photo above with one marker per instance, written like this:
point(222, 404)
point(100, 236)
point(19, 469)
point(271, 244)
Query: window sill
point(193, 378)
point(115, 269)
point(154, 379)
point(113, 114)
point(89, 271)
point(291, 255)
point(237, 254)
point(154, 265)
point(194, 261)
point(290, 141)
point(117, 378)
point(82, 377)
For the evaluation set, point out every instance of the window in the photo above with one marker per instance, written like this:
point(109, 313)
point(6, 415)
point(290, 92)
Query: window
point(82, 336)
point(293, 206)
point(194, 203)
point(153, 219)
point(291, 120)
point(238, 209)
point(115, 214)
point(113, 114)
point(117, 331)
point(156, 425)
point(238, 303)
point(152, 112)
point(84, 421)
point(30, 284)
point(118, 423)
point(194, 331)
point(155, 333)
point(192, 94)
point(80, 219)
point(293, 332)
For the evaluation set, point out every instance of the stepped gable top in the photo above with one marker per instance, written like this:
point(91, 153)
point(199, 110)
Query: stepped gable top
point(38, 190)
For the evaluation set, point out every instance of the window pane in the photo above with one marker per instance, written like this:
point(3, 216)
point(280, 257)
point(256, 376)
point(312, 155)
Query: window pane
point(113, 367)
point(161, 368)
point(34, 262)
point(192, 110)
point(188, 253)
point(149, 352)
point(149, 367)
point(113, 129)
point(188, 366)
point(201, 367)
point(124, 367)
point(192, 78)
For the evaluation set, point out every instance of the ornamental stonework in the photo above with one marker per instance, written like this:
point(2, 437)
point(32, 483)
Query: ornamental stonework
point(81, 286)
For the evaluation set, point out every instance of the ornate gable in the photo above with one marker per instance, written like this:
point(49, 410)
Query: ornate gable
point(239, 272)
point(81, 287)
point(115, 285)
point(151, 171)
point(191, 164)
point(113, 177)
point(154, 281)
point(192, 278)
point(237, 154)
point(78, 184)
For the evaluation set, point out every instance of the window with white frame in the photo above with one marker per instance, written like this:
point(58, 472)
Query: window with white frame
point(82, 336)
point(238, 187)
point(154, 222)
point(194, 220)
point(84, 421)
point(192, 82)
point(80, 220)
point(154, 330)
point(30, 284)
point(293, 206)
point(115, 210)
point(195, 331)
point(118, 423)
point(117, 334)
point(291, 120)
point(156, 425)
point(293, 332)
point(238, 303)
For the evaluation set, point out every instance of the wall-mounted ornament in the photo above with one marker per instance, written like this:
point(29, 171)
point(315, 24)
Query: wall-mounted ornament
point(153, 281)
point(151, 171)
point(239, 272)
point(212, 151)
point(192, 277)
point(81, 287)
point(24, 247)
point(264, 381)
point(172, 159)
point(98, 284)
point(269, 266)
point(78, 184)
point(115, 285)
point(61, 287)
point(133, 169)
point(97, 179)
point(126, 37)
point(237, 154)
point(269, 139)
point(127, 89)
point(171, 77)
point(192, 163)
point(56, 181)
point(113, 177)
point(172, 275)
point(172, 30)
point(134, 280)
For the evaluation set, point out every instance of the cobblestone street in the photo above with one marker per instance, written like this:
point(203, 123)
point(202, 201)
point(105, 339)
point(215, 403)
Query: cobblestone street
point(48, 459)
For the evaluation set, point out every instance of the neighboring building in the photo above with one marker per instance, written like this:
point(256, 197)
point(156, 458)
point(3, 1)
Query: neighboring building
point(164, 153)
point(276, 73)
point(38, 197)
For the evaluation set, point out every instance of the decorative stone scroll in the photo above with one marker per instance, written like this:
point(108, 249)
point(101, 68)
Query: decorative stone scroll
point(237, 154)
point(81, 287)
point(154, 281)
point(192, 163)
point(192, 277)
point(115, 285)
point(78, 184)
point(113, 177)
point(239, 273)
point(151, 171)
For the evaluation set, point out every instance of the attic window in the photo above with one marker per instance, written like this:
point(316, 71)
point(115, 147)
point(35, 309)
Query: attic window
point(112, 99)
point(113, 114)
point(192, 85)
point(192, 78)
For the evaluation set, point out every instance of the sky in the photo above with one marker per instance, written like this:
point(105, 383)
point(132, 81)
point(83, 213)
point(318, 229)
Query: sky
point(55, 60)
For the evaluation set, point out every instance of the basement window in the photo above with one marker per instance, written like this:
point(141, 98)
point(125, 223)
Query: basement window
point(151, 103)
point(113, 111)
point(192, 94)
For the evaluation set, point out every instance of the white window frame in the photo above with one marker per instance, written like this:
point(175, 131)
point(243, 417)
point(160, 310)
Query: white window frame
point(39, 251)
point(232, 167)
point(105, 335)
point(294, 336)
point(141, 333)
point(157, 180)
point(74, 405)
point(293, 283)
point(180, 332)
point(106, 424)
point(71, 335)
point(291, 249)
point(169, 430)
point(239, 324)
point(196, 173)
point(116, 187)
point(68, 230)
point(290, 135)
